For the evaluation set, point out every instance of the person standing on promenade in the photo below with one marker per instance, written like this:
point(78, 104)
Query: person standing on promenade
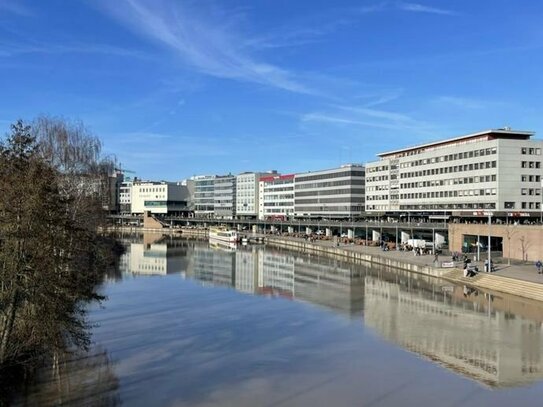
point(538, 265)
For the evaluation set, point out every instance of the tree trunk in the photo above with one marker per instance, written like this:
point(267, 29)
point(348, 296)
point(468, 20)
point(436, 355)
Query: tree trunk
point(8, 326)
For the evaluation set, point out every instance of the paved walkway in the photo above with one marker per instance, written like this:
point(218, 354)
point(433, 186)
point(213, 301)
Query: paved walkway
point(524, 272)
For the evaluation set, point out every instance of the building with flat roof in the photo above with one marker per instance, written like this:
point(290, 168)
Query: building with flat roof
point(247, 197)
point(159, 198)
point(224, 197)
point(125, 197)
point(203, 197)
point(492, 170)
point(276, 197)
point(334, 193)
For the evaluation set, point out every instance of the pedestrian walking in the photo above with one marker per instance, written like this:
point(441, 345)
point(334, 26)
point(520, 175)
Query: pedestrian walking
point(539, 265)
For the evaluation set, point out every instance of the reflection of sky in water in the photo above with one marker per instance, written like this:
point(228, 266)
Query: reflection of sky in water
point(195, 342)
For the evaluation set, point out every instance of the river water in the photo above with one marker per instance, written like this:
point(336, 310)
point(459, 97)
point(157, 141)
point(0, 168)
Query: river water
point(189, 324)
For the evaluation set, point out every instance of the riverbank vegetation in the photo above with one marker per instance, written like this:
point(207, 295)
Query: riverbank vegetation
point(53, 186)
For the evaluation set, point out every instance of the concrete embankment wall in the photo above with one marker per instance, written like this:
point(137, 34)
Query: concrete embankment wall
point(359, 257)
point(179, 231)
point(484, 281)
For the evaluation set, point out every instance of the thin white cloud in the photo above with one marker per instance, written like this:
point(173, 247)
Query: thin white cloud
point(366, 117)
point(13, 49)
point(211, 47)
point(420, 8)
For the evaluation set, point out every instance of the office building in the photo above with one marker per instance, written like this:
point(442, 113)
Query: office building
point(159, 198)
point(203, 199)
point(125, 197)
point(247, 197)
point(276, 197)
point(493, 170)
point(334, 193)
point(224, 197)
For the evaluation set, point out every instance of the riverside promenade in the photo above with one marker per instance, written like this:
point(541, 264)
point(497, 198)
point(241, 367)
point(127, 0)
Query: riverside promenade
point(516, 279)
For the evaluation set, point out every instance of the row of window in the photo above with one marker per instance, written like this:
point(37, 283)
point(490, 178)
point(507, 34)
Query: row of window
point(437, 194)
point(272, 190)
point(343, 208)
point(287, 211)
point(452, 157)
point(349, 173)
point(530, 164)
point(523, 205)
point(157, 189)
point(377, 197)
point(280, 203)
point(346, 191)
point(449, 181)
point(449, 194)
point(530, 151)
point(377, 178)
point(530, 178)
point(377, 188)
point(477, 205)
point(315, 185)
point(530, 191)
point(448, 170)
point(444, 158)
point(278, 182)
point(328, 200)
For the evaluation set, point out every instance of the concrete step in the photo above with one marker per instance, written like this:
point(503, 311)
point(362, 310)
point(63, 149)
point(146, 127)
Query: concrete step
point(507, 285)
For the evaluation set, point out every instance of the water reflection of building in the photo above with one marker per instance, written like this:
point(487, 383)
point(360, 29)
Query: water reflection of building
point(156, 255)
point(330, 283)
point(255, 270)
point(276, 273)
point(468, 336)
point(246, 274)
point(212, 265)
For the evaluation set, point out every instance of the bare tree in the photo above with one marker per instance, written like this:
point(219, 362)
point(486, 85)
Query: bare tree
point(524, 246)
point(51, 255)
point(509, 233)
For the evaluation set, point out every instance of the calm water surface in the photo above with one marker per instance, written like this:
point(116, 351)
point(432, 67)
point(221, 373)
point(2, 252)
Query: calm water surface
point(189, 324)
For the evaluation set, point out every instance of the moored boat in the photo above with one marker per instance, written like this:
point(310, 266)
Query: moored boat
point(224, 235)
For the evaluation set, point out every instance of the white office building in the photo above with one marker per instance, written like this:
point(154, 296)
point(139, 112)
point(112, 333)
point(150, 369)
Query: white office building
point(333, 193)
point(247, 197)
point(224, 197)
point(276, 197)
point(493, 170)
point(159, 198)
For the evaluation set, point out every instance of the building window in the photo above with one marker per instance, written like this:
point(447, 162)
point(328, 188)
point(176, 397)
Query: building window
point(509, 205)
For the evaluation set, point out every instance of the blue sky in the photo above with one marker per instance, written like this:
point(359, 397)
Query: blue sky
point(177, 88)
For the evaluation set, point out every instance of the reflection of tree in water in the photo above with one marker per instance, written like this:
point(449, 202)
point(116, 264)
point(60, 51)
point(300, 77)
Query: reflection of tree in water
point(76, 379)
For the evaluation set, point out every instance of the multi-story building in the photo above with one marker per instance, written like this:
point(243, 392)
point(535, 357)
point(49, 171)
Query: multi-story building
point(159, 198)
point(203, 199)
point(334, 193)
point(276, 197)
point(493, 170)
point(224, 197)
point(125, 197)
point(247, 198)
